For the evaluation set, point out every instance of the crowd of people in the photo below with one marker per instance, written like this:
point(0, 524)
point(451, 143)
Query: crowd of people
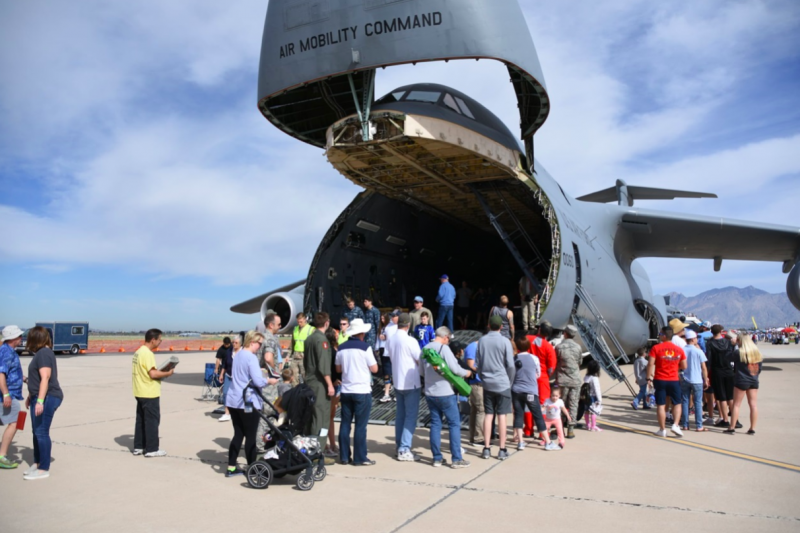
point(522, 374)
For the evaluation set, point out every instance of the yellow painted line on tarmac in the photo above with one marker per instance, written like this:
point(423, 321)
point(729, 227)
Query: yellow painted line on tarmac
point(714, 449)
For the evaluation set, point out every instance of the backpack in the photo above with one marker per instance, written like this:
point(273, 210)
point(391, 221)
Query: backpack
point(584, 400)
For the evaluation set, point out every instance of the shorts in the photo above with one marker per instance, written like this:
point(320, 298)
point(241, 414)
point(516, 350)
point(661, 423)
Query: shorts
point(386, 367)
point(723, 388)
point(497, 403)
point(668, 388)
point(746, 385)
point(8, 415)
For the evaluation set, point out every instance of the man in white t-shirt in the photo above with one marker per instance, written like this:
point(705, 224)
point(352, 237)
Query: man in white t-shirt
point(357, 363)
point(404, 352)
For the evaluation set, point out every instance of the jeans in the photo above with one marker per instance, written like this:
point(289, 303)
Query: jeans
point(445, 406)
point(356, 406)
point(406, 421)
point(688, 389)
point(148, 417)
point(42, 445)
point(226, 384)
point(642, 396)
point(445, 312)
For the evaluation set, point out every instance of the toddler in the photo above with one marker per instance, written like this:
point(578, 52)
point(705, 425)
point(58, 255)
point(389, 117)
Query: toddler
point(553, 409)
point(640, 373)
point(592, 379)
point(287, 375)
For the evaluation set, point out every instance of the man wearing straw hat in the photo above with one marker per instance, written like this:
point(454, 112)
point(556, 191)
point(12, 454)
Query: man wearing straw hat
point(11, 380)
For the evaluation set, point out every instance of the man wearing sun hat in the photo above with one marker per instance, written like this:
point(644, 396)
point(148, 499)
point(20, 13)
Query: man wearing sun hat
point(678, 332)
point(357, 363)
point(446, 300)
point(11, 380)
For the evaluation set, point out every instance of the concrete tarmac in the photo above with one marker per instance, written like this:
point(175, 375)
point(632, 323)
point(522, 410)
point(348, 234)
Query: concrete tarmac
point(621, 479)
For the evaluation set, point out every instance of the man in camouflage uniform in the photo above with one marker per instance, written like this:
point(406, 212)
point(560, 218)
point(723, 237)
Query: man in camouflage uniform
point(372, 317)
point(352, 312)
point(317, 359)
point(268, 356)
point(568, 374)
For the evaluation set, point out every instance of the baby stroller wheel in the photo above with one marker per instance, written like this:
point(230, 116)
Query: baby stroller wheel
point(305, 481)
point(259, 475)
point(319, 472)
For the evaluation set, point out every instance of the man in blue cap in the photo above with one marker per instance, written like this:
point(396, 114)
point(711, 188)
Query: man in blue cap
point(446, 299)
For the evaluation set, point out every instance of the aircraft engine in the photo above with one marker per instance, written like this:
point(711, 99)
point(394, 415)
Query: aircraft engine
point(793, 286)
point(287, 305)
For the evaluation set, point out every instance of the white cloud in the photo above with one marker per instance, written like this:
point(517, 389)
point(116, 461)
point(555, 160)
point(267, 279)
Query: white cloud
point(139, 123)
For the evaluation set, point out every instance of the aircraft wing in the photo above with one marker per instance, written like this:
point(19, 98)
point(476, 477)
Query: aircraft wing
point(664, 234)
point(253, 305)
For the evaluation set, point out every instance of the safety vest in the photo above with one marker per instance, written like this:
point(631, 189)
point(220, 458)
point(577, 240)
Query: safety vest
point(342, 338)
point(300, 335)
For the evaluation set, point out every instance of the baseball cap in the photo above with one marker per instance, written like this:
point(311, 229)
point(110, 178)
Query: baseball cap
point(690, 334)
point(495, 320)
point(418, 299)
point(444, 276)
point(571, 330)
point(404, 320)
point(396, 312)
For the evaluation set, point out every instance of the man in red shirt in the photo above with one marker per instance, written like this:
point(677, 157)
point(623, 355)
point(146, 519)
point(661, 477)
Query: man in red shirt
point(541, 348)
point(663, 371)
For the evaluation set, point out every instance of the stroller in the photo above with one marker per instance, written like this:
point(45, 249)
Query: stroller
point(288, 451)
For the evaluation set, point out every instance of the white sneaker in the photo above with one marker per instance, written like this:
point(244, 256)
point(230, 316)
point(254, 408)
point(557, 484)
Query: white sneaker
point(677, 430)
point(138, 451)
point(37, 474)
point(224, 418)
point(521, 445)
point(31, 469)
point(660, 433)
point(386, 399)
point(159, 453)
point(408, 456)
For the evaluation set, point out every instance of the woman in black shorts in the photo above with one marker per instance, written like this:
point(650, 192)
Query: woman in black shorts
point(746, 367)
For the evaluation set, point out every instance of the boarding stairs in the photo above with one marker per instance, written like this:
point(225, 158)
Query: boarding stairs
point(592, 331)
point(517, 240)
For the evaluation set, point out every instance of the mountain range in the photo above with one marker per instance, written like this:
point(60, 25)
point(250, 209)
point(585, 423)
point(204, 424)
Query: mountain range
point(734, 307)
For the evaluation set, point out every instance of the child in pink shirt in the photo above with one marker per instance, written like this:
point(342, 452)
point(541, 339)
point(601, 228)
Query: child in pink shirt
point(553, 409)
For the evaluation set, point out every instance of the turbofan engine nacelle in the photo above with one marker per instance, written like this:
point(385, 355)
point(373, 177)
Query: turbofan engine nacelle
point(793, 285)
point(287, 305)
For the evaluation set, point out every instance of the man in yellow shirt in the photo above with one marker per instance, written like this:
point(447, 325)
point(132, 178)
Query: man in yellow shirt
point(301, 332)
point(147, 391)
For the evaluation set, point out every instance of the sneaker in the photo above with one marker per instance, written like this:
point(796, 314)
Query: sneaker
point(675, 429)
point(521, 445)
point(635, 405)
point(669, 418)
point(329, 461)
point(552, 446)
point(660, 433)
point(7, 463)
point(224, 418)
point(138, 451)
point(159, 453)
point(722, 424)
point(235, 472)
point(330, 452)
point(476, 443)
point(386, 399)
point(439, 462)
point(31, 469)
point(486, 453)
point(37, 474)
point(502, 455)
point(408, 456)
point(738, 425)
point(461, 463)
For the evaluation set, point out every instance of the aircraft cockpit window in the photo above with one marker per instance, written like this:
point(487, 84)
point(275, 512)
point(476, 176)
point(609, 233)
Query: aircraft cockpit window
point(451, 103)
point(391, 97)
point(464, 108)
point(398, 95)
point(423, 96)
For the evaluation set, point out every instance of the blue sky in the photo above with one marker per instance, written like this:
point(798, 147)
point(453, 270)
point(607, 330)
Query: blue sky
point(141, 186)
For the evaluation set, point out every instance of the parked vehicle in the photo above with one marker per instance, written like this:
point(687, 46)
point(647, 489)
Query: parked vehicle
point(68, 337)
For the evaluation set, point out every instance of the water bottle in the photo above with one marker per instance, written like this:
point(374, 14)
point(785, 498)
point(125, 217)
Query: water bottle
point(248, 403)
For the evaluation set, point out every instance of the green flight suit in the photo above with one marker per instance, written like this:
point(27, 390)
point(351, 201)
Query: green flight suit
point(317, 359)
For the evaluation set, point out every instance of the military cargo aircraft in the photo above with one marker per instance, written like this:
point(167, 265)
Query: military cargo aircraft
point(449, 189)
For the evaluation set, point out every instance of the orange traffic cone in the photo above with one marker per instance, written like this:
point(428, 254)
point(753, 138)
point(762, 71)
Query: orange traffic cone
point(121, 349)
point(201, 348)
point(213, 348)
point(186, 348)
point(102, 349)
point(83, 351)
point(171, 349)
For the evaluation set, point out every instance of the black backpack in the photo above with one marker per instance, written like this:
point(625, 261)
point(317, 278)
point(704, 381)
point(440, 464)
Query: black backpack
point(584, 400)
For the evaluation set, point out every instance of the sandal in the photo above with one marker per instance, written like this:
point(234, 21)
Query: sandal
point(700, 430)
